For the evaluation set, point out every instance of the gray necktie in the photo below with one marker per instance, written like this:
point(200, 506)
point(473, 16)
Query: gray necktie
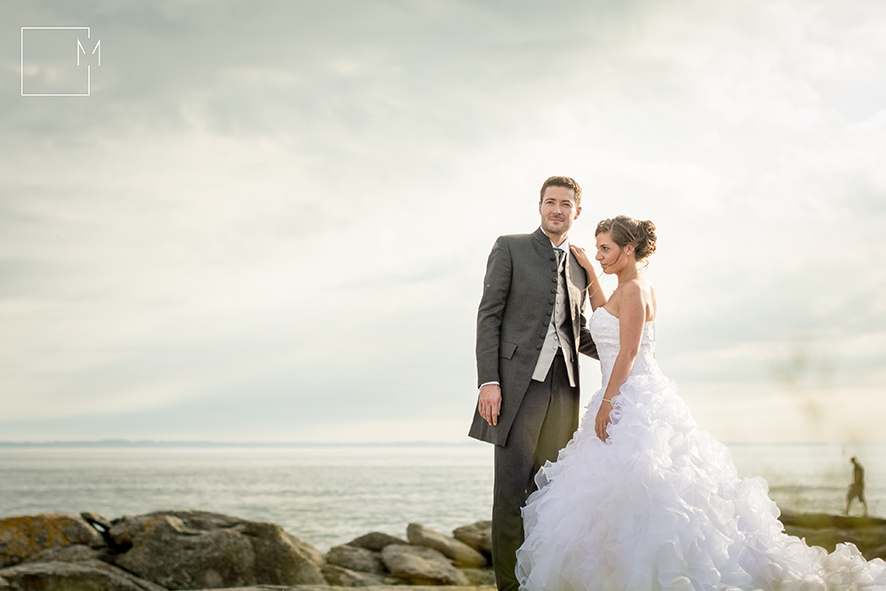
point(561, 281)
point(561, 258)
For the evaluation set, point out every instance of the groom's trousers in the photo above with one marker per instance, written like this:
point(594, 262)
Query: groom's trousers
point(545, 423)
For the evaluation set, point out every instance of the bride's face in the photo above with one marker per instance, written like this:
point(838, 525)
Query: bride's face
point(610, 256)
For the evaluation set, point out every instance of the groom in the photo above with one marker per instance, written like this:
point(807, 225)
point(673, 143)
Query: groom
point(530, 328)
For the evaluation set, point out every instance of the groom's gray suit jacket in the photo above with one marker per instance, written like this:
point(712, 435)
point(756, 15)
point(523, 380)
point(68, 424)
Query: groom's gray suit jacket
point(519, 291)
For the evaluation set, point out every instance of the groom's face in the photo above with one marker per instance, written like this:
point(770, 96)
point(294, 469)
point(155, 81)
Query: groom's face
point(558, 210)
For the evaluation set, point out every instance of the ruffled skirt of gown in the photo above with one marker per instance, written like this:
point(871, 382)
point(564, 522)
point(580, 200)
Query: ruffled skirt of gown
point(659, 506)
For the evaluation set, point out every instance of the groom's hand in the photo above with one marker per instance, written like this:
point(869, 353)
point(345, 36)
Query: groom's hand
point(489, 404)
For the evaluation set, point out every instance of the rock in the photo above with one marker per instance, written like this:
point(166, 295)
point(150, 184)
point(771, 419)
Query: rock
point(23, 536)
point(357, 559)
point(281, 558)
point(72, 553)
point(477, 535)
point(825, 520)
point(869, 538)
point(820, 529)
point(203, 550)
point(479, 576)
point(828, 538)
point(460, 553)
point(72, 576)
point(799, 532)
point(164, 552)
point(344, 577)
point(376, 541)
point(419, 565)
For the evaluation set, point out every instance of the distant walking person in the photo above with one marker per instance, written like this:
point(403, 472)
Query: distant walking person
point(856, 489)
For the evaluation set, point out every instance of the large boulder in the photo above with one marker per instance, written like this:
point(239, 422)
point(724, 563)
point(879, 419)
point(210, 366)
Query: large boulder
point(460, 553)
point(828, 538)
point(826, 520)
point(203, 550)
point(281, 558)
point(21, 537)
point(824, 530)
point(419, 565)
point(357, 559)
point(480, 577)
point(72, 553)
point(344, 577)
point(55, 575)
point(165, 552)
point(478, 536)
point(376, 541)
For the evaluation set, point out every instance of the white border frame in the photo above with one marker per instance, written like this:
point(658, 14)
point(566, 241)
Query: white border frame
point(88, 73)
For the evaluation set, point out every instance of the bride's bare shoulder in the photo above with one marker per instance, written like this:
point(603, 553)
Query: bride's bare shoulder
point(637, 293)
point(649, 299)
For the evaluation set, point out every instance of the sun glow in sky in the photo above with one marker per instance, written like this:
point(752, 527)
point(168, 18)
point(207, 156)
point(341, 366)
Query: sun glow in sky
point(269, 221)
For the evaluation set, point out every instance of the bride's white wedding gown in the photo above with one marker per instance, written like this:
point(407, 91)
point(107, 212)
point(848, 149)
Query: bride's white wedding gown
point(659, 506)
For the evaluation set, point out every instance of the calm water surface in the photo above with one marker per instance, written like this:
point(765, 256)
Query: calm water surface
point(330, 495)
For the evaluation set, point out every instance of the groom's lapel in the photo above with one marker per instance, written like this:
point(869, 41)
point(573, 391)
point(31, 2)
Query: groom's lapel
point(577, 282)
point(578, 279)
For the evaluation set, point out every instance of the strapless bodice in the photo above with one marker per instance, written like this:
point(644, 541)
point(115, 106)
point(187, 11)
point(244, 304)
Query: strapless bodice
point(605, 331)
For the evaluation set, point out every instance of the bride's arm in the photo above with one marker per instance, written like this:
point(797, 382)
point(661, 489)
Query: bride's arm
point(595, 293)
point(631, 318)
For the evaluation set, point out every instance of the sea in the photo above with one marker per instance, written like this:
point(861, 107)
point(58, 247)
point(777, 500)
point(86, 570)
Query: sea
point(331, 494)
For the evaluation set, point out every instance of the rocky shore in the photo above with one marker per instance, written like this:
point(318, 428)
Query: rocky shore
point(202, 550)
point(822, 529)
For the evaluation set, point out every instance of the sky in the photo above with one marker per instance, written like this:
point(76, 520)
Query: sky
point(269, 221)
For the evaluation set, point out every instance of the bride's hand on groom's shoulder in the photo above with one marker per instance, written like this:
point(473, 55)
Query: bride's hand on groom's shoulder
point(582, 257)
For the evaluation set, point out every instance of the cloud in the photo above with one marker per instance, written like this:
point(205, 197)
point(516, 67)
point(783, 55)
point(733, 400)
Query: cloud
point(275, 218)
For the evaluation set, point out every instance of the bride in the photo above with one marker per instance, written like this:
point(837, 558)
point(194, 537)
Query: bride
point(642, 499)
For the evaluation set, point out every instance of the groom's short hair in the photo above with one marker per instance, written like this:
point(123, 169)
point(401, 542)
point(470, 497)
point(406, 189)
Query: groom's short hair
point(561, 181)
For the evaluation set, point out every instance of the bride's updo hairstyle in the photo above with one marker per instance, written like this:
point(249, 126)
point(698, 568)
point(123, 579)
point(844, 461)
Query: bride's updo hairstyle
point(625, 230)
